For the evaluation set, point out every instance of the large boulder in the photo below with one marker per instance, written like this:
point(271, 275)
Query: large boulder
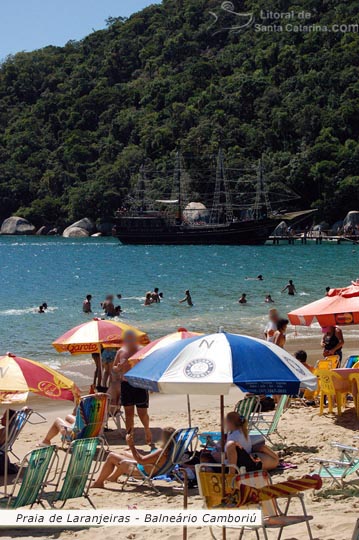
point(17, 225)
point(82, 228)
point(43, 231)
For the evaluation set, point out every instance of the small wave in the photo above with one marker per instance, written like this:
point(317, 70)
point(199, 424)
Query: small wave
point(25, 311)
point(304, 294)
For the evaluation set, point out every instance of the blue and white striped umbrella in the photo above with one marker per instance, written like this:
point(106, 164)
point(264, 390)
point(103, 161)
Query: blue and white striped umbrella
point(211, 364)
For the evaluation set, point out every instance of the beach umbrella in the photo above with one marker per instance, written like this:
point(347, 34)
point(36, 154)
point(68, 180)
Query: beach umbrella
point(211, 364)
point(182, 333)
point(87, 338)
point(19, 376)
point(339, 307)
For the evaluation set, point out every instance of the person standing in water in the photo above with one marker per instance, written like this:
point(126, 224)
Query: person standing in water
point(243, 299)
point(290, 288)
point(86, 304)
point(187, 298)
point(269, 299)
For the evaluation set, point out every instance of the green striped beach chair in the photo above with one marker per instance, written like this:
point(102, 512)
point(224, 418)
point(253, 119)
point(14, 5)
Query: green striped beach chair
point(180, 444)
point(91, 416)
point(33, 474)
point(248, 408)
point(81, 463)
point(339, 470)
point(267, 425)
point(17, 424)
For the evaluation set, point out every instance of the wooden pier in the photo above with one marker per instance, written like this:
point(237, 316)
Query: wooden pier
point(306, 239)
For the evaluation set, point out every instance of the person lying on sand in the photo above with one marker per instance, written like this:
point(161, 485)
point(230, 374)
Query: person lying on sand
point(118, 464)
point(59, 426)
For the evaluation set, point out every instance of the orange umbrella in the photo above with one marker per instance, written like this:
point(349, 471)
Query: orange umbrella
point(87, 338)
point(181, 333)
point(339, 307)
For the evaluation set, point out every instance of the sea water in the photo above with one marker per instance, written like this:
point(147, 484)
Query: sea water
point(62, 271)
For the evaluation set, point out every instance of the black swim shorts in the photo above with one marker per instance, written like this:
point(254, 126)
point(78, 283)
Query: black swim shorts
point(131, 396)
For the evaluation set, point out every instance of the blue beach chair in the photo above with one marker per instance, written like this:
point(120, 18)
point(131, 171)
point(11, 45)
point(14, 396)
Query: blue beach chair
point(180, 444)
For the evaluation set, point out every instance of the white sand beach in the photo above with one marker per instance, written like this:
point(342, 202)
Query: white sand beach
point(305, 434)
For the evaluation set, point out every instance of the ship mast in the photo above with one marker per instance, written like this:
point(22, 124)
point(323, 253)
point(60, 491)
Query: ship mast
point(177, 185)
point(262, 197)
point(222, 200)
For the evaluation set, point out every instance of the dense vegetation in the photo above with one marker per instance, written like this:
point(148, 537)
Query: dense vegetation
point(76, 122)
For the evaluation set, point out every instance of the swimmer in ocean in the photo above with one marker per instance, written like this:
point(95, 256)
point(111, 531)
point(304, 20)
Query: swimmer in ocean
point(41, 309)
point(290, 288)
point(243, 299)
point(268, 299)
point(187, 299)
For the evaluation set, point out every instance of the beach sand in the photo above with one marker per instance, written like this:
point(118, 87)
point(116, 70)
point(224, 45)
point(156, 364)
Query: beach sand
point(305, 433)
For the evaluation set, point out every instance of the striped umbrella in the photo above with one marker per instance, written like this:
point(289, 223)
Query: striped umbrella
point(19, 376)
point(87, 338)
point(182, 333)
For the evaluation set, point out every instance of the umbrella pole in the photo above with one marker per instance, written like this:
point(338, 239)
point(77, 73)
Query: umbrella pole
point(7, 416)
point(189, 411)
point(223, 469)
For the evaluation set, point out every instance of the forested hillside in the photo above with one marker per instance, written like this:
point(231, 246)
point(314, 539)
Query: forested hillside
point(76, 122)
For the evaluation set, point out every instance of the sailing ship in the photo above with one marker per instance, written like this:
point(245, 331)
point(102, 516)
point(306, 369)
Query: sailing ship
point(178, 221)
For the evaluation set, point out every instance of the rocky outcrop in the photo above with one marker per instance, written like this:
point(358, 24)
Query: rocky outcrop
point(84, 227)
point(43, 231)
point(17, 225)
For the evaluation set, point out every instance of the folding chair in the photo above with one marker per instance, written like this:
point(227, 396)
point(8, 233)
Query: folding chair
point(91, 417)
point(338, 470)
point(351, 361)
point(179, 444)
point(81, 463)
point(267, 425)
point(31, 478)
point(210, 488)
point(248, 408)
point(16, 425)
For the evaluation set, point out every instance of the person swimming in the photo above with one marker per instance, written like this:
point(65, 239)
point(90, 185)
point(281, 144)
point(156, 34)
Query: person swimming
point(148, 299)
point(187, 298)
point(290, 288)
point(269, 299)
point(243, 299)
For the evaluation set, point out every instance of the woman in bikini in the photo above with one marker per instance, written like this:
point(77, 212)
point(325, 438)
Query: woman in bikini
point(118, 464)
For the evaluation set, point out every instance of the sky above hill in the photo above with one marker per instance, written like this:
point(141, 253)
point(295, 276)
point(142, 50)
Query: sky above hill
point(26, 25)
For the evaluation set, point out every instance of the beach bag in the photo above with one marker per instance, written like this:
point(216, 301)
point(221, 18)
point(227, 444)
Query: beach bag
point(11, 468)
point(267, 404)
point(250, 462)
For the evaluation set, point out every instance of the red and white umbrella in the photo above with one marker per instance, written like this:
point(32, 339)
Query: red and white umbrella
point(87, 338)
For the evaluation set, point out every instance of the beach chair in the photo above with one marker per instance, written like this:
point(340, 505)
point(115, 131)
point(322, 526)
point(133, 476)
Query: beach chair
point(210, 488)
point(351, 361)
point(340, 469)
point(91, 417)
point(267, 425)
point(81, 462)
point(180, 444)
point(330, 362)
point(248, 408)
point(16, 425)
point(32, 475)
point(327, 389)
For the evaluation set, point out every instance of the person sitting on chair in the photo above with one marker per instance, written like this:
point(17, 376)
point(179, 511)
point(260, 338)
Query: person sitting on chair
point(118, 464)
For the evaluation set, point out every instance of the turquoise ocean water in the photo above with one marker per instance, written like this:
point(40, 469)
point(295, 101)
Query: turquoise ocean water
point(62, 271)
